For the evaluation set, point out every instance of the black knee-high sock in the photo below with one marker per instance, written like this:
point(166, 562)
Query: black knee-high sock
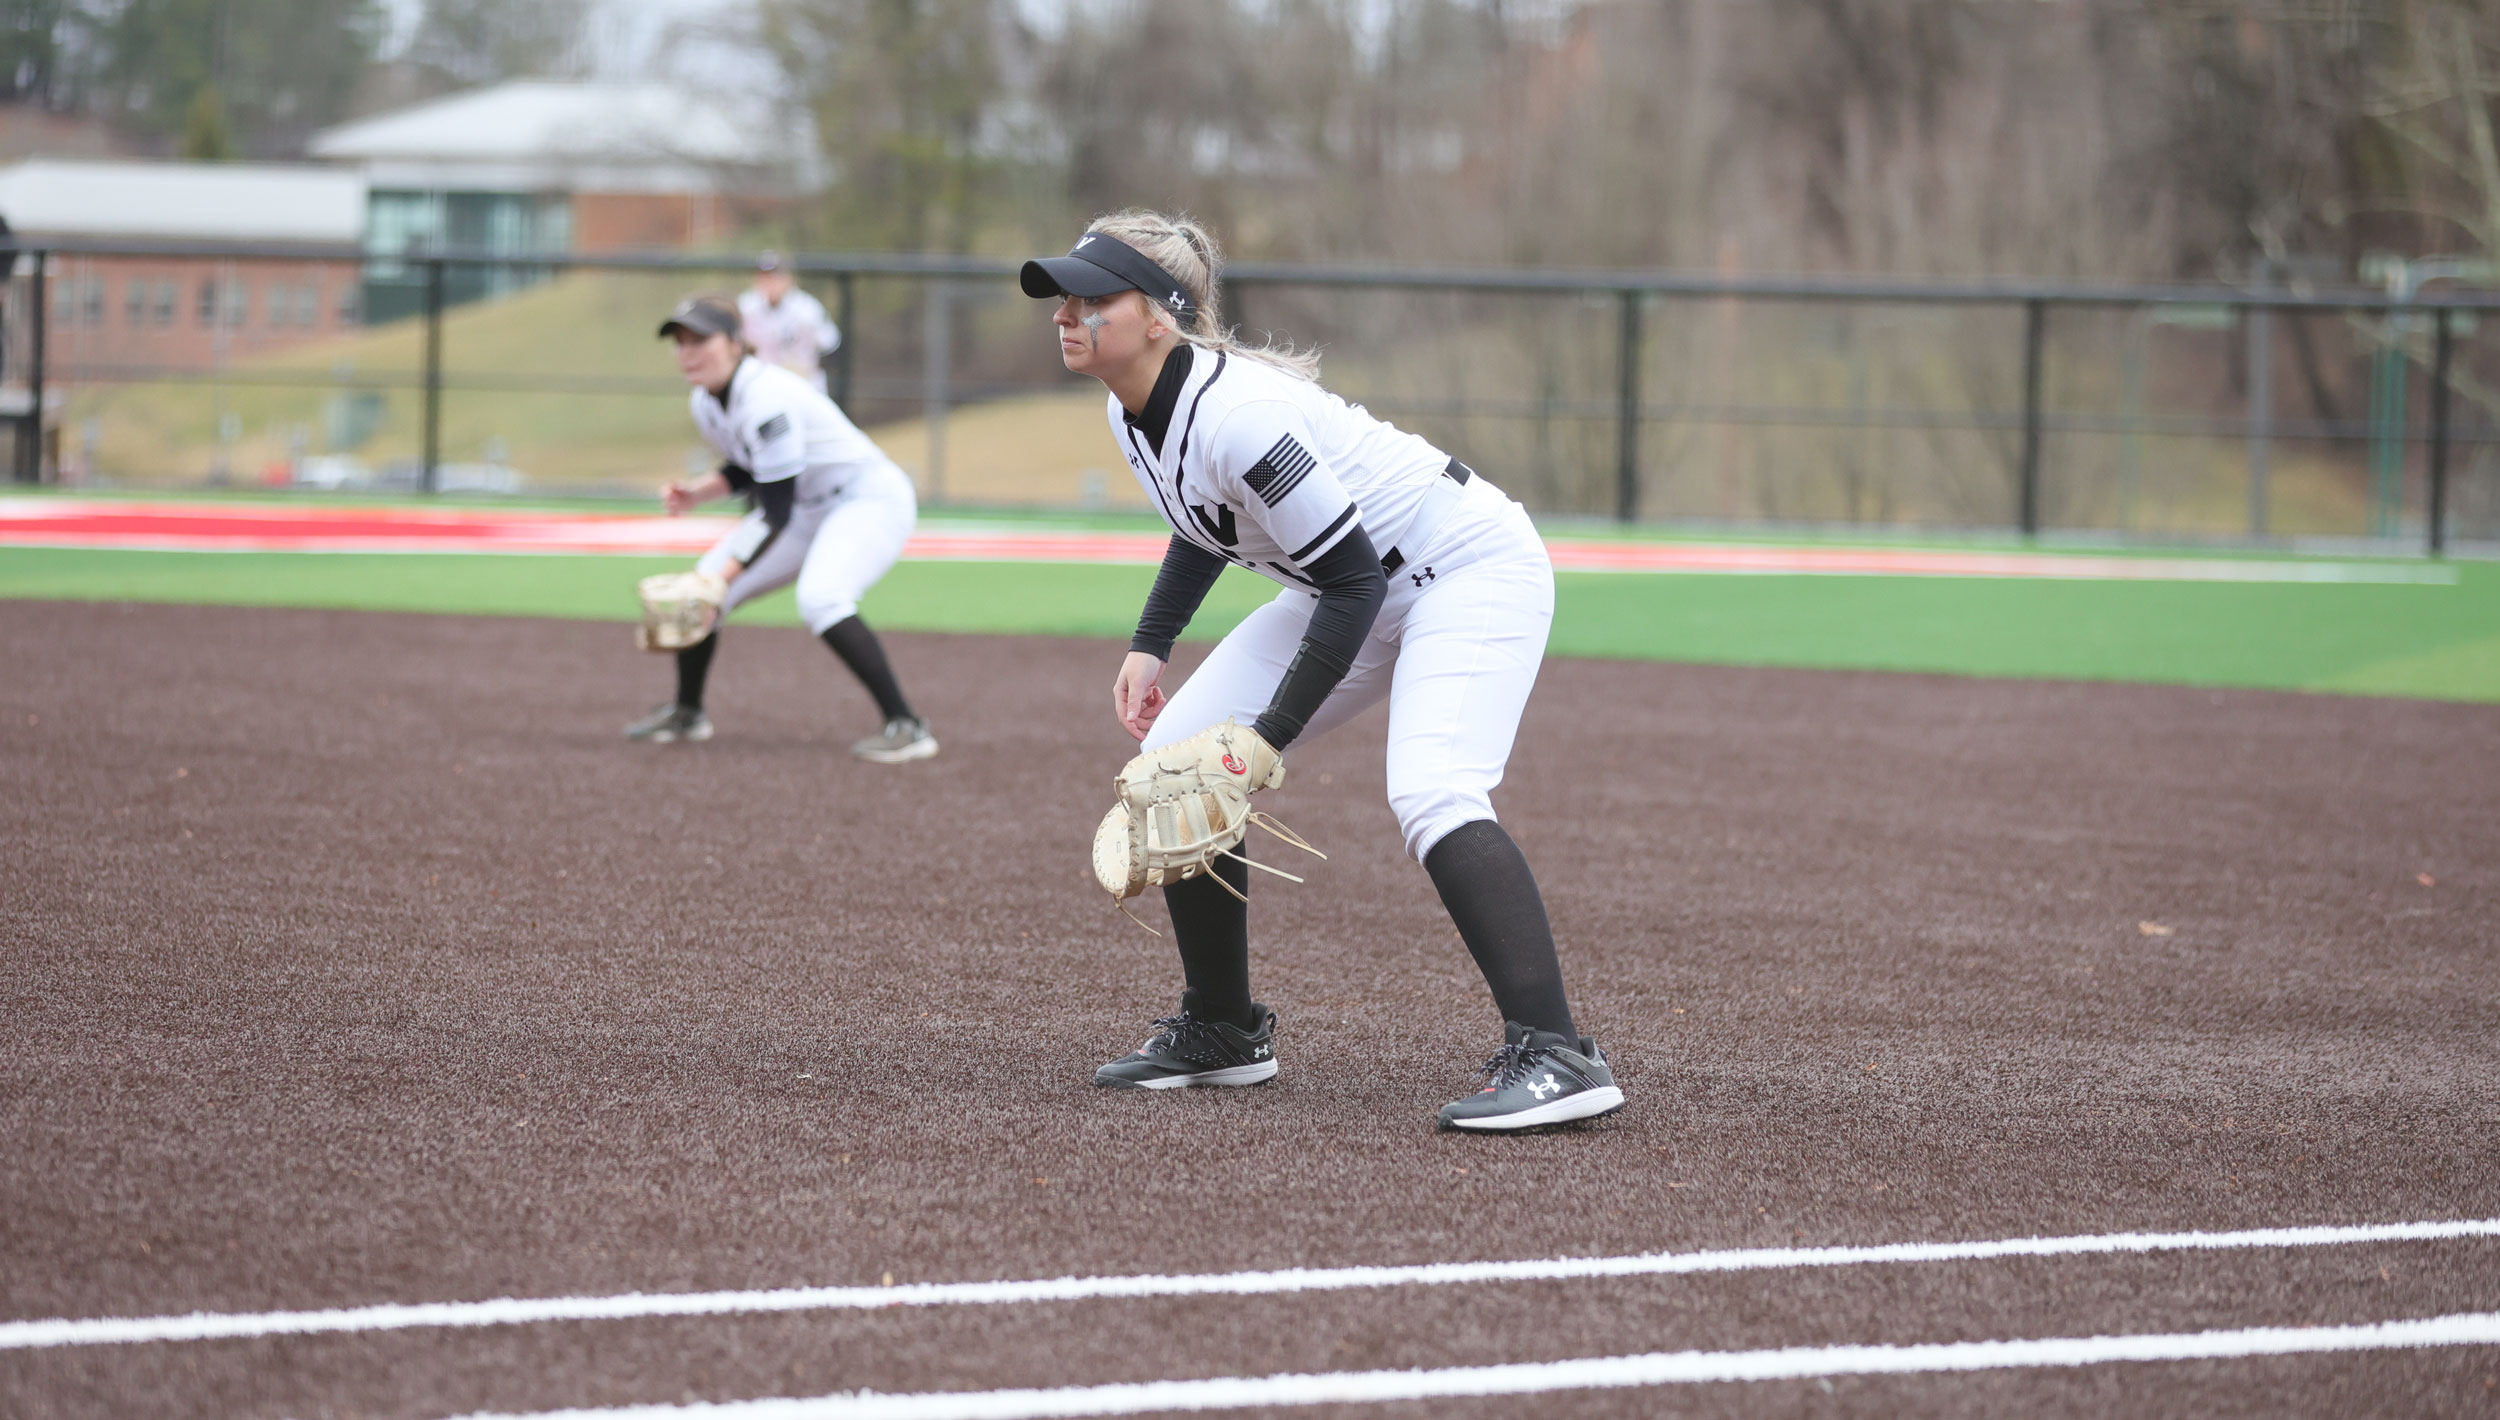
point(1485, 883)
point(1212, 929)
point(694, 663)
point(859, 649)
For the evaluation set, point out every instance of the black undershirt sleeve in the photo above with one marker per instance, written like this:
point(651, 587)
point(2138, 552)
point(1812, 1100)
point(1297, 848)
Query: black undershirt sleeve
point(1188, 572)
point(774, 501)
point(1351, 589)
point(737, 477)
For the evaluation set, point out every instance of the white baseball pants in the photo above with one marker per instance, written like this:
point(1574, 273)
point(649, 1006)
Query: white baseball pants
point(835, 548)
point(1455, 651)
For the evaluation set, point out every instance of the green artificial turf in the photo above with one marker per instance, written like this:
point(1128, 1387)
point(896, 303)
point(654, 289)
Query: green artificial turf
point(2431, 641)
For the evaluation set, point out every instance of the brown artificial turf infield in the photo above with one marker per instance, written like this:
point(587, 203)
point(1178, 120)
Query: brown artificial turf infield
point(354, 958)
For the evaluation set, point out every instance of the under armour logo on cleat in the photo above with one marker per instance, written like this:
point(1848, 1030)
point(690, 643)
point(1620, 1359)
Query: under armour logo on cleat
point(1422, 577)
point(1541, 1088)
point(1259, 1054)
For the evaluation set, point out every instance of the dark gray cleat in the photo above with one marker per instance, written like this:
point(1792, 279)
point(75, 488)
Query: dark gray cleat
point(901, 741)
point(1537, 1078)
point(1185, 1051)
point(669, 724)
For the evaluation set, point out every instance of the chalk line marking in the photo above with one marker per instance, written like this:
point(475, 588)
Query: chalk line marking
point(1594, 1373)
point(515, 1311)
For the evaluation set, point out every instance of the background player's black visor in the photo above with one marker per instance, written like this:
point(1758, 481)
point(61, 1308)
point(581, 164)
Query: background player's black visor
point(1100, 265)
point(700, 317)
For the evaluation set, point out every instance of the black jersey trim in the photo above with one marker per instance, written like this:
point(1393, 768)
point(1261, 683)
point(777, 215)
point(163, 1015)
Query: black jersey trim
point(1146, 460)
point(1156, 418)
point(1180, 456)
point(1280, 470)
point(1315, 544)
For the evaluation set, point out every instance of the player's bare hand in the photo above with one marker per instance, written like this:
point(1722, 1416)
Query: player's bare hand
point(675, 498)
point(1135, 697)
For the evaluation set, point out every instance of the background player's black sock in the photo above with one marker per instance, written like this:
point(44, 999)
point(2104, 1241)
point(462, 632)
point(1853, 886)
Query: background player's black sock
point(1212, 929)
point(1485, 883)
point(694, 663)
point(859, 649)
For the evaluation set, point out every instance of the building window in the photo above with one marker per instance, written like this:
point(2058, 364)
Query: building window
point(308, 304)
point(65, 300)
point(351, 304)
point(208, 300)
point(95, 300)
point(135, 304)
point(168, 301)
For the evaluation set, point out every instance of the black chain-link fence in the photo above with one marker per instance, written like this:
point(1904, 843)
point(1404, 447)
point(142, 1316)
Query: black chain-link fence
point(2131, 412)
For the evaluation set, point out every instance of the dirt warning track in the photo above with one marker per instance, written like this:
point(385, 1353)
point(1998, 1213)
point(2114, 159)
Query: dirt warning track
point(355, 961)
point(277, 527)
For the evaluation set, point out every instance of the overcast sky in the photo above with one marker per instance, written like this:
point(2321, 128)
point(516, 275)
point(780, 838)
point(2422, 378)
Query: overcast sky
point(628, 31)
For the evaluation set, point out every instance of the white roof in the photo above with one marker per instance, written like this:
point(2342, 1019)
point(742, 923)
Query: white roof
point(198, 201)
point(549, 135)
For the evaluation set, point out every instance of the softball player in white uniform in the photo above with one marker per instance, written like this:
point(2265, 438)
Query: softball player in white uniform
point(1406, 577)
point(785, 325)
point(831, 512)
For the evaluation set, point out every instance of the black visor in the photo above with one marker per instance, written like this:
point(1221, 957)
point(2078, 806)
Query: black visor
point(702, 316)
point(1100, 265)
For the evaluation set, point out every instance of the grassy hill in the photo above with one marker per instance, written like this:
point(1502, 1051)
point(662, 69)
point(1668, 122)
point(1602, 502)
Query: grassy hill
point(620, 421)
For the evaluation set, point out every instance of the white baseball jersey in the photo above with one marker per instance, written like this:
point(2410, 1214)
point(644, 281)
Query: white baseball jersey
point(776, 425)
point(852, 508)
point(1455, 652)
point(1268, 470)
point(796, 334)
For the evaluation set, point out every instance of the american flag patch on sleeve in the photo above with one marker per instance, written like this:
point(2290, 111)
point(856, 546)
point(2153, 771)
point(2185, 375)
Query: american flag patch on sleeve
point(772, 428)
point(1279, 471)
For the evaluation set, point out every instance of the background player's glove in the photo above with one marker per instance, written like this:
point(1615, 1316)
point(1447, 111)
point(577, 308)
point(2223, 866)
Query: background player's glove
point(679, 609)
point(1183, 806)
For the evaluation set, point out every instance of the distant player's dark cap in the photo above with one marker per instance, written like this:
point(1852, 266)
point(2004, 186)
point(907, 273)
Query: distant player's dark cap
point(702, 316)
point(1102, 265)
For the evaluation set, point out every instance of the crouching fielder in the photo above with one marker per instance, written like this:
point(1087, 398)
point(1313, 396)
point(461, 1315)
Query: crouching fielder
point(1405, 576)
point(830, 512)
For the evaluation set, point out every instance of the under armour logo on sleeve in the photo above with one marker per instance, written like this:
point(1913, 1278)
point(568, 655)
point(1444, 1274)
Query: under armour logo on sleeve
point(1279, 471)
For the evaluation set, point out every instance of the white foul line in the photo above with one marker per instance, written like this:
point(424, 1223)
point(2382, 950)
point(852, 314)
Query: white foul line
point(1593, 1373)
point(514, 1311)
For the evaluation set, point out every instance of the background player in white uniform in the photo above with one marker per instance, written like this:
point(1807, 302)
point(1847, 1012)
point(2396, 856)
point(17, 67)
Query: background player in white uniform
point(831, 512)
point(1405, 576)
point(785, 325)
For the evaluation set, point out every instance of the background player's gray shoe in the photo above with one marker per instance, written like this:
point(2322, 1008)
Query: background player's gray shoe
point(670, 723)
point(900, 740)
point(1185, 1050)
point(1537, 1078)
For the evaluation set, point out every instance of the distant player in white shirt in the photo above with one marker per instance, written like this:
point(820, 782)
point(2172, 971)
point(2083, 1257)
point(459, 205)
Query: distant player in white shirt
point(1406, 577)
point(829, 511)
point(784, 324)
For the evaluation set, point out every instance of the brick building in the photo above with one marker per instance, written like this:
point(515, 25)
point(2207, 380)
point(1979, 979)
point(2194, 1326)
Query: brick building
point(543, 165)
point(131, 316)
